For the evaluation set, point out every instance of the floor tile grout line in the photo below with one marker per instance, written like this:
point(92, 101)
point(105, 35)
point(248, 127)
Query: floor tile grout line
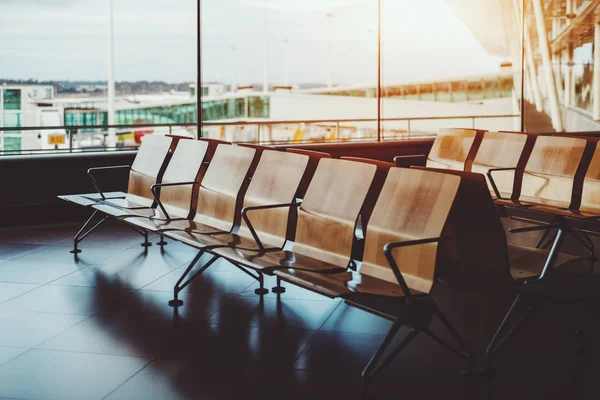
point(41, 247)
point(91, 353)
point(63, 331)
point(73, 272)
point(17, 356)
point(19, 295)
point(128, 379)
point(316, 332)
point(54, 280)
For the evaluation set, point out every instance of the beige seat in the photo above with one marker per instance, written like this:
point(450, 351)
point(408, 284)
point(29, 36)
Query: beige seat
point(589, 206)
point(399, 267)
point(326, 219)
point(454, 149)
point(275, 182)
point(175, 195)
point(413, 205)
point(549, 176)
point(500, 154)
point(481, 260)
point(216, 206)
point(145, 170)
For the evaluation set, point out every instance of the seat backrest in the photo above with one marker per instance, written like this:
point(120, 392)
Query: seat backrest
point(275, 181)
point(501, 150)
point(146, 167)
point(590, 197)
point(549, 175)
point(454, 149)
point(221, 185)
point(185, 166)
point(413, 204)
point(327, 218)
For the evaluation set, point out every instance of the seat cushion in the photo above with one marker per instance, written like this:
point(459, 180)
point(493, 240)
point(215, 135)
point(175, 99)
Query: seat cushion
point(124, 212)
point(576, 283)
point(341, 284)
point(198, 240)
point(89, 199)
point(271, 260)
point(527, 262)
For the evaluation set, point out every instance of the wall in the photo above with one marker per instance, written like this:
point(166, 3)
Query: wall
point(31, 184)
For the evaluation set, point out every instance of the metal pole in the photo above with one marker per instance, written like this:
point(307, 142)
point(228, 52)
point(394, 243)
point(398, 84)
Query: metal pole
point(199, 72)
point(539, 103)
point(266, 60)
point(112, 137)
point(596, 82)
point(379, 70)
point(71, 140)
point(547, 65)
point(522, 68)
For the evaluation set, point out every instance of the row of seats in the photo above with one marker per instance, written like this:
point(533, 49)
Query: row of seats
point(549, 180)
point(246, 207)
point(551, 173)
point(376, 235)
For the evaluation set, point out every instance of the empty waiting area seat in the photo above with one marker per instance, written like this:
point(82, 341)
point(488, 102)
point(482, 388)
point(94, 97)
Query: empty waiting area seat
point(453, 148)
point(145, 170)
point(502, 155)
point(549, 175)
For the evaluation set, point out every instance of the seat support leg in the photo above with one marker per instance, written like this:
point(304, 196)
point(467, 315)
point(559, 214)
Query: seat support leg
point(162, 241)
point(500, 339)
point(542, 238)
point(551, 240)
point(80, 235)
point(278, 289)
point(180, 285)
point(261, 291)
point(467, 354)
point(584, 240)
point(259, 277)
point(142, 232)
point(366, 374)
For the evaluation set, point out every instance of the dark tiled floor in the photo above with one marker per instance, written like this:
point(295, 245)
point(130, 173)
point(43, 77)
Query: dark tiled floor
point(98, 326)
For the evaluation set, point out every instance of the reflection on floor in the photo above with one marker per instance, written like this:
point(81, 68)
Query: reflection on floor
point(99, 327)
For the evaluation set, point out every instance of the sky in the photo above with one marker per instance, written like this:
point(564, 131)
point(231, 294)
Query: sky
point(156, 40)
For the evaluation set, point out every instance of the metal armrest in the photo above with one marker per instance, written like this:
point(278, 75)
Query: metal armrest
point(534, 228)
point(256, 208)
point(156, 197)
point(493, 183)
point(387, 250)
point(95, 183)
point(409, 160)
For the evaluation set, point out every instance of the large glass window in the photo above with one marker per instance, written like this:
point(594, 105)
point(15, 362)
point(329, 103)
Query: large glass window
point(12, 99)
point(332, 65)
